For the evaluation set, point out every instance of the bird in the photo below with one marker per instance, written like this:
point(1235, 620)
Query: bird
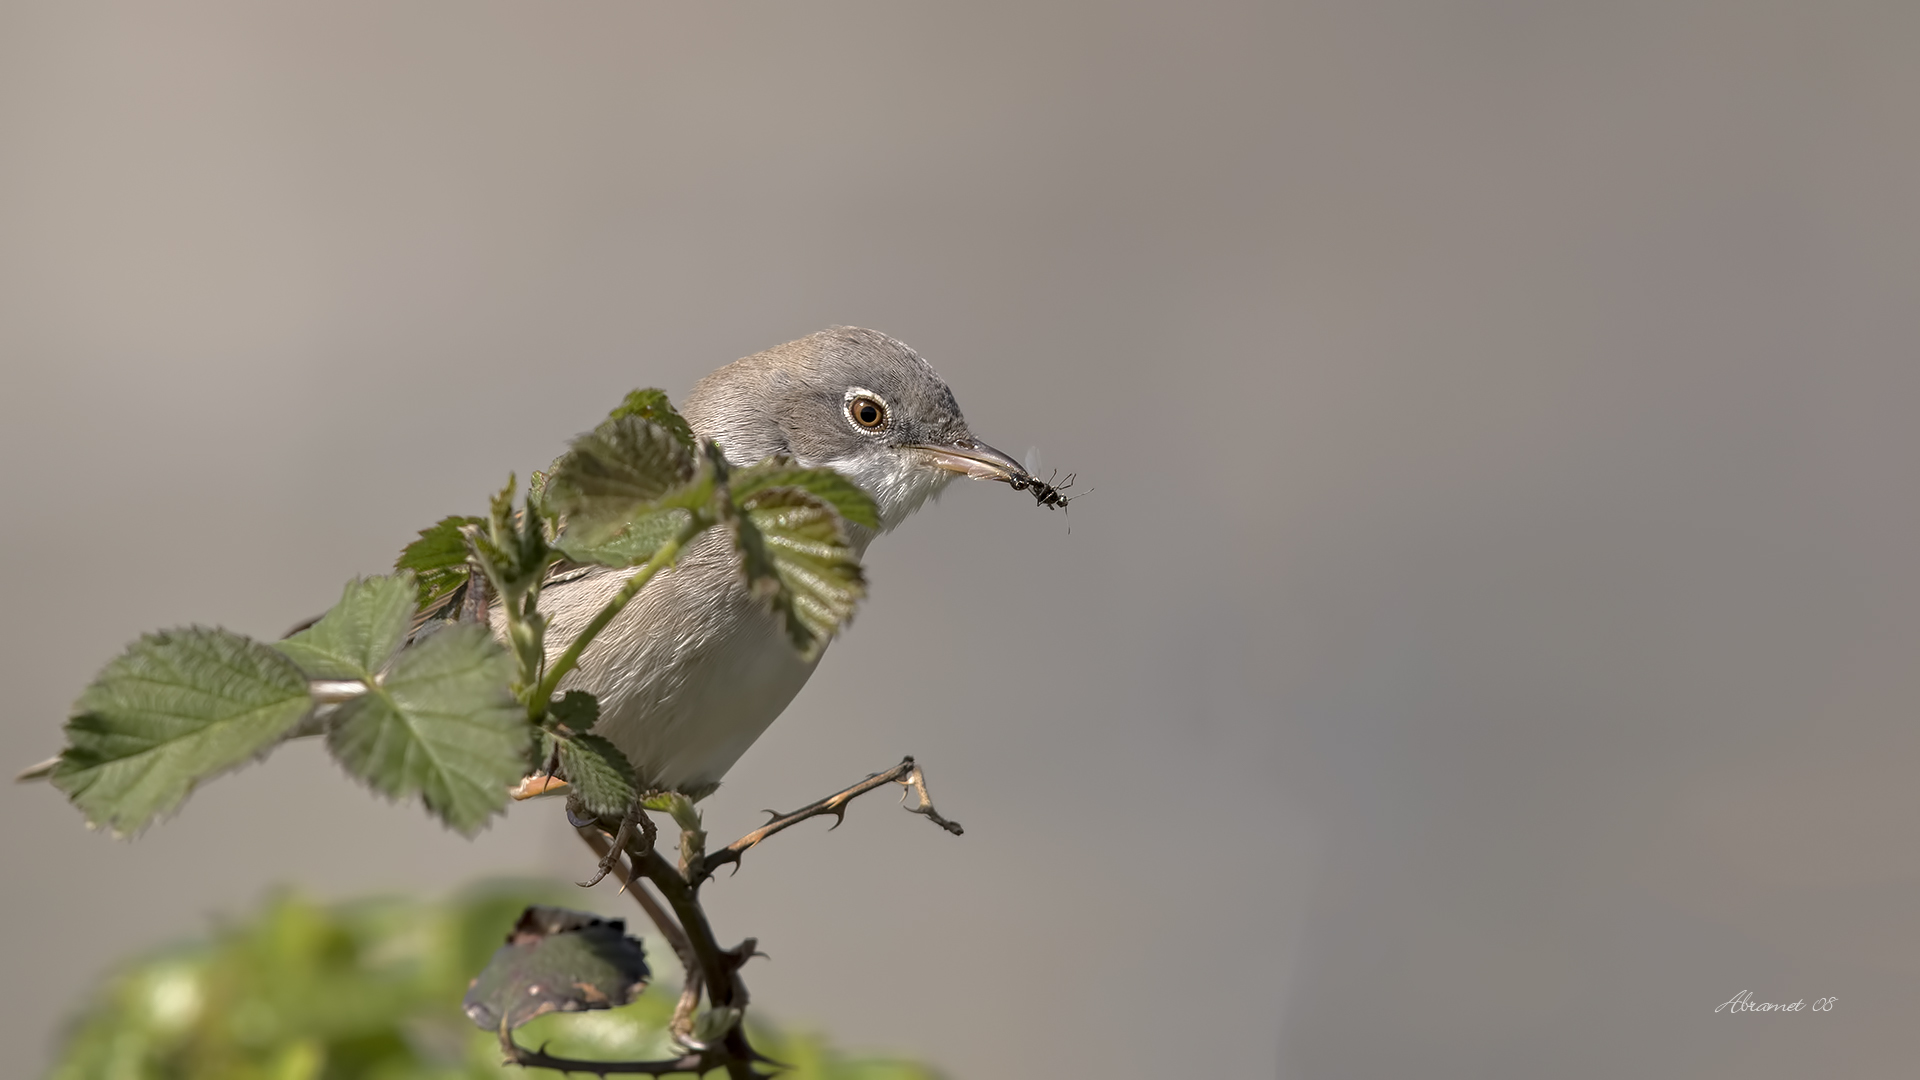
point(696, 668)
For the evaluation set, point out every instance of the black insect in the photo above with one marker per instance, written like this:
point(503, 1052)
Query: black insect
point(1045, 493)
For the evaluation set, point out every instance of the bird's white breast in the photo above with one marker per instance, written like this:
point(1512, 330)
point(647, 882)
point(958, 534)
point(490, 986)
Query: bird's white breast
point(695, 669)
point(689, 674)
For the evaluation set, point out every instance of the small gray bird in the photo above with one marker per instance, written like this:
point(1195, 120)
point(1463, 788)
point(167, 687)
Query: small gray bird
point(695, 669)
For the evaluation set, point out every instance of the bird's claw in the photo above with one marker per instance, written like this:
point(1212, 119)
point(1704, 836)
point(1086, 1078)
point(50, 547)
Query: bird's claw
point(634, 824)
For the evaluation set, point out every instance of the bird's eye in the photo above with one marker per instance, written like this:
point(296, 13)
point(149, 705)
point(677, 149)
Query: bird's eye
point(867, 412)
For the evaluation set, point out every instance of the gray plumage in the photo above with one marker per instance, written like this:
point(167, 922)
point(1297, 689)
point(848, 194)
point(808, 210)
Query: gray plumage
point(694, 669)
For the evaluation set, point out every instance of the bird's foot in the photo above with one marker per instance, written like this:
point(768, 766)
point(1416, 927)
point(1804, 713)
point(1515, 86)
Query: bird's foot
point(635, 836)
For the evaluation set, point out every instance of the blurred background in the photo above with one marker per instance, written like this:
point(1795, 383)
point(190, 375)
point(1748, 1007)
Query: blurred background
point(1490, 646)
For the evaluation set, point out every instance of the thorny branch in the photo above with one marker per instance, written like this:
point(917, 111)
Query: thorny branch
point(662, 919)
point(697, 1062)
point(906, 774)
point(701, 958)
point(630, 856)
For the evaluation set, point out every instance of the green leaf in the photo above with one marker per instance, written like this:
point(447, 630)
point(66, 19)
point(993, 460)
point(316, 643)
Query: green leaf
point(819, 576)
point(513, 549)
point(599, 774)
point(443, 724)
point(637, 539)
point(630, 546)
point(177, 707)
point(557, 960)
point(826, 485)
point(652, 405)
point(357, 638)
point(614, 472)
point(756, 562)
point(576, 709)
point(438, 560)
point(678, 805)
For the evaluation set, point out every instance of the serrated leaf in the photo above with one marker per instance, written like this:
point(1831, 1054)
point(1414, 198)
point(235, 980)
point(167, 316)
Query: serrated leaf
point(613, 472)
point(176, 708)
point(630, 546)
point(756, 562)
point(438, 559)
point(441, 724)
point(819, 575)
point(556, 960)
point(830, 487)
point(598, 774)
point(640, 537)
point(652, 405)
point(513, 549)
point(576, 709)
point(358, 636)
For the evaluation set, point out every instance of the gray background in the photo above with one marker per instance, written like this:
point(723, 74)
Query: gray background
point(1491, 644)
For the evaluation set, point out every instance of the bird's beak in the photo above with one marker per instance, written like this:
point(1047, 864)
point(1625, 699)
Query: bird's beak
point(971, 458)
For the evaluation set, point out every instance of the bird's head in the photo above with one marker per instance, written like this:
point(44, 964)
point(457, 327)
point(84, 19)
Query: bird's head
point(852, 400)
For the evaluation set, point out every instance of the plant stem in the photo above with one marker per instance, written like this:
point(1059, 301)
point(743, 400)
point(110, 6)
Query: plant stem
point(636, 886)
point(570, 659)
point(717, 966)
point(906, 773)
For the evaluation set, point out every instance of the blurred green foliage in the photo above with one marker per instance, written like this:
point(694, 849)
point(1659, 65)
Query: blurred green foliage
point(370, 991)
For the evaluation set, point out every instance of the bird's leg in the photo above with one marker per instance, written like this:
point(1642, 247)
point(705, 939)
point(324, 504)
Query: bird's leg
point(612, 858)
point(634, 825)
